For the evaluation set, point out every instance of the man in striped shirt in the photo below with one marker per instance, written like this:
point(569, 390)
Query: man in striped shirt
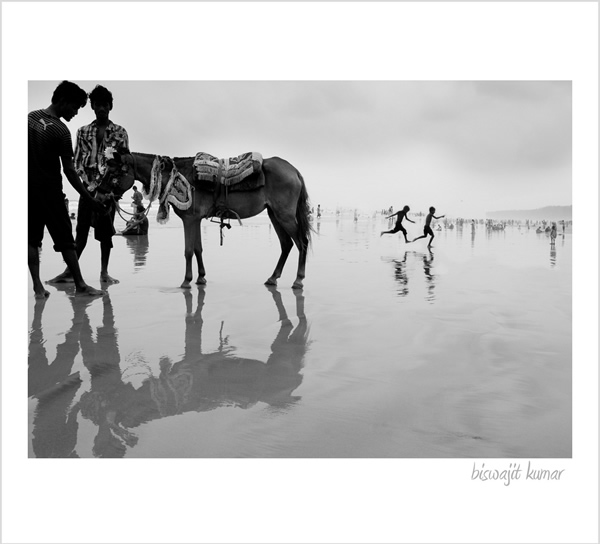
point(92, 142)
point(49, 147)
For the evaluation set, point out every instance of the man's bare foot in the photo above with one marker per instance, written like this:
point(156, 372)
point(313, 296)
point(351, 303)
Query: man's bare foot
point(65, 277)
point(41, 294)
point(89, 291)
point(105, 278)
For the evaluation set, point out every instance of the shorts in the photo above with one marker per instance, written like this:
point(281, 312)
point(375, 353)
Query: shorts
point(400, 228)
point(427, 231)
point(46, 209)
point(103, 224)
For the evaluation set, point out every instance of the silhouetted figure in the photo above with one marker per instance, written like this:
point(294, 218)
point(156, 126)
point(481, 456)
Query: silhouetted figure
point(427, 229)
point(400, 216)
point(54, 384)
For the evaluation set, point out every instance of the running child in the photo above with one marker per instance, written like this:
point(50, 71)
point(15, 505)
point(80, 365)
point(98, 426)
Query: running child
point(427, 229)
point(401, 215)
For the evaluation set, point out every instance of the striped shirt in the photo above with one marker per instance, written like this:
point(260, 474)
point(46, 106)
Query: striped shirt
point(48, 140)
point(90, 161)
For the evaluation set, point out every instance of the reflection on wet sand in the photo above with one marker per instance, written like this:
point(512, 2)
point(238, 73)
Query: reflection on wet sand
point(138, 245)
point(429, 277)
point(198, 382)
point(401, 273)
point(552, 256)
point(54, 385)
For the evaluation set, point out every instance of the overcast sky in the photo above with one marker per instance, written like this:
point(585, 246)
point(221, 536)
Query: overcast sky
point(464, 147)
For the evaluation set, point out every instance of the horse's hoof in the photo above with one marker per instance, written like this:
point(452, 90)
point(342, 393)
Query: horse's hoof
point(272, 282)
point(185, 285)
point(297, 285)
point(201, 281)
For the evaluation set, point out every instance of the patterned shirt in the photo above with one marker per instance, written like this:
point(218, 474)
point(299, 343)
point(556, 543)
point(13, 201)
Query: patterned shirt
point(48, 140)
point(90, 161)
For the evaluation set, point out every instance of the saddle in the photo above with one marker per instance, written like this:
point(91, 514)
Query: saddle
point(224, 176)
point(241, 173)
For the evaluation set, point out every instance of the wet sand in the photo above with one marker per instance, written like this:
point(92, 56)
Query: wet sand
point(389, 351)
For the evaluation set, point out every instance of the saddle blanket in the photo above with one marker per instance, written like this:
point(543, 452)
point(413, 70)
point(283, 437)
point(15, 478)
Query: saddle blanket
point(227, 171)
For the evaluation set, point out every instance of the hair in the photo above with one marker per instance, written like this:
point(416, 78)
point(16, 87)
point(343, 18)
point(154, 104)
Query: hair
point(406, 208)
point(432, 209)
point(101, 95)
point(70, 93)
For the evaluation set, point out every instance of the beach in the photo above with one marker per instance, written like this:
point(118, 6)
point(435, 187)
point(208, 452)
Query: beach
point(390, 350)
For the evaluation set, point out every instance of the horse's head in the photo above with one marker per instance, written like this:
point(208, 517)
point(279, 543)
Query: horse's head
point(119, 176)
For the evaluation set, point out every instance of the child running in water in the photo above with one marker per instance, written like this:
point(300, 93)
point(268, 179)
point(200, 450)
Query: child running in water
point(427, 229)
point(401, 215)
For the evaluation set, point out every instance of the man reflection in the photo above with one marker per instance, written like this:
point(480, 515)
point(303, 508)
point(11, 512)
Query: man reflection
point(198, 382)
point(54, 386)
point(102, 402)
point(552, 255)
point(138, 246)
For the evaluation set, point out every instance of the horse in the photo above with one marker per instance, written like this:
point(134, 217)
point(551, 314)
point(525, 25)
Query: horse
point(283, 194)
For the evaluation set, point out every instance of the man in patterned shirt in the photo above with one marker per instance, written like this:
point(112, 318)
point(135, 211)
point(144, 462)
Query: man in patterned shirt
point(49, 146)
point(92, 143)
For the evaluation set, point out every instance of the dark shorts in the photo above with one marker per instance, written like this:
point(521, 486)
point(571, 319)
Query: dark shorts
point(48, 210)
point(399, 228)
point(428, 231)
point(103, 224)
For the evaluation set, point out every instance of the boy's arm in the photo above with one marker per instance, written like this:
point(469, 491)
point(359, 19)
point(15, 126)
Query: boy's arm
point(75, 181)
point(78, 159)
point(438, 217)
point(409, 219)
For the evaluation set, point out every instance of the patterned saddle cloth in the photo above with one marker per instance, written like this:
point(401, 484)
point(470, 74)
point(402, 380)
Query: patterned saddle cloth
point(241, 173)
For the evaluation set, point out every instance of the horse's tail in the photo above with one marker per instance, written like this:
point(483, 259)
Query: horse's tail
point(302, 215)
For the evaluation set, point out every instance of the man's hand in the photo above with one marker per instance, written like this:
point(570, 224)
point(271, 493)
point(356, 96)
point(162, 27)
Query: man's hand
point(98, 206)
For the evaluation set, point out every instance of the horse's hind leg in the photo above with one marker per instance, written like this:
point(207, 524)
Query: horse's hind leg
point(287, 230)
point(286, 246)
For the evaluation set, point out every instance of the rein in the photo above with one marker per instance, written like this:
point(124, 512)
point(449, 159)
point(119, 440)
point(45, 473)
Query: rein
point(121, 210)
point(178, 191)
point(115, 201)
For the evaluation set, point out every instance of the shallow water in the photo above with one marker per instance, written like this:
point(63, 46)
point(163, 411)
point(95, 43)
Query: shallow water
point(390, 350)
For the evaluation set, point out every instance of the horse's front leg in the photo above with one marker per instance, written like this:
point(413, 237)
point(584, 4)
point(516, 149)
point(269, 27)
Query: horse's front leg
point(198, 252)
point(190, 228)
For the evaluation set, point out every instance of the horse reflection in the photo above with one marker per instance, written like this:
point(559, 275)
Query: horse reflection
point(138, 246)
point(198, 382)
point(205, 381)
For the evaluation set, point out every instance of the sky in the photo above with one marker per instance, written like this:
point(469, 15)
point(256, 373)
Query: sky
point(465, 147)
